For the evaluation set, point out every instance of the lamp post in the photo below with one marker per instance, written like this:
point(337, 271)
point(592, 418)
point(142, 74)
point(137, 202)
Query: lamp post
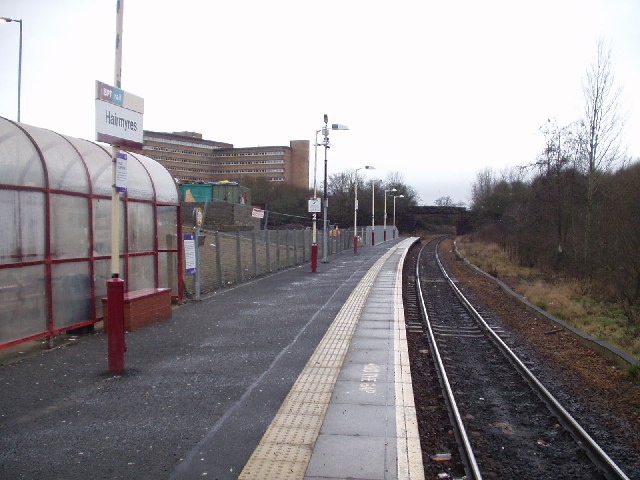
point(394, 213)
point(385, 212)
point(373, 209)
point(325, 132)
point(355, 209)
point(8, 20)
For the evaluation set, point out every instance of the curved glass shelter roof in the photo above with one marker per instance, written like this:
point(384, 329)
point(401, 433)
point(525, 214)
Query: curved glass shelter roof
point(55, 230)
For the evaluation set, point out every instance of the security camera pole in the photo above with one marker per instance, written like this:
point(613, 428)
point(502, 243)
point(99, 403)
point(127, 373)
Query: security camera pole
point(314, 208)
point(325, 200)
point(325, 132)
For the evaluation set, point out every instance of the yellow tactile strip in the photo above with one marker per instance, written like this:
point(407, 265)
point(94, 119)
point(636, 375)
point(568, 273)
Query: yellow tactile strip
point(286, 447)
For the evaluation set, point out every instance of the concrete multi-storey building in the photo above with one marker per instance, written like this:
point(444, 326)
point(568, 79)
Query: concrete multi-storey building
point(190, 158)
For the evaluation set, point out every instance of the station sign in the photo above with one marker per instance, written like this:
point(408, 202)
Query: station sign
point(315, 205)
point(118, 116)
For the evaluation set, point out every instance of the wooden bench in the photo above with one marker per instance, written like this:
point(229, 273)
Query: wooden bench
point(142, 308)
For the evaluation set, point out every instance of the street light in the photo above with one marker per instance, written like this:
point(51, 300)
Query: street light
point(325, 132)
point(8, 20)
point(373, 209)
point(394, 213)
point(355, 209)
point(385, 212)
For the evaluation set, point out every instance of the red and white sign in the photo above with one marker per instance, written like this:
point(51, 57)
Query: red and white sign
point(257, 213)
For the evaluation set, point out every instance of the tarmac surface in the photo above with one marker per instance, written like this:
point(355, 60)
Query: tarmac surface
point(203, 392)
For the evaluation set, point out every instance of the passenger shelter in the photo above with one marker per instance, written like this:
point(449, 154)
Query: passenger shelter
point(55, 231)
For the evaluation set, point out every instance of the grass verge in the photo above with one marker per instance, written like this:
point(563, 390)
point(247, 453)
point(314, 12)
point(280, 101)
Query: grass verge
point(565, 298)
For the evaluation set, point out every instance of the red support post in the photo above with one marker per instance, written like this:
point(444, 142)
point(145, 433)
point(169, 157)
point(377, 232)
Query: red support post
point(373, 238)
point(115, 326)
point(355, 244)
point(385, 235)
point(314, 257)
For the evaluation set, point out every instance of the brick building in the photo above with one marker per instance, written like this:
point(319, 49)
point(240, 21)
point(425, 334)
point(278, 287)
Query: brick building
point(190, 158)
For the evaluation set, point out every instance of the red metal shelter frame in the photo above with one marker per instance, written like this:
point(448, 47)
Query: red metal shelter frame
point(48, 261)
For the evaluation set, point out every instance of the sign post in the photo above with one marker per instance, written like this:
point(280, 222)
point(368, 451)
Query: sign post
point(198, 218)
point(118, 122)
point(315, 207)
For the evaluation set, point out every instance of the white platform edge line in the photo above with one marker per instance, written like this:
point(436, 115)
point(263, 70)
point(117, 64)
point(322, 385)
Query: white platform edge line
point(409, 454)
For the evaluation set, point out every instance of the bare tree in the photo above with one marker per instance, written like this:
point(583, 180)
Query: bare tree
point(553, 164)
point(445, 201)
point(600, 131)
point(394, 179)
point(485, 181)
point(341, 183)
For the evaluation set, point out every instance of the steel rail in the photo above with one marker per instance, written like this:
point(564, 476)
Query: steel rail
point(594, 451)
point(469, 459)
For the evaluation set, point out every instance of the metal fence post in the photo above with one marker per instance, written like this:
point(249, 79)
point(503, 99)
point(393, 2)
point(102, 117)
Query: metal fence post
point(268, 247)
point(277, 249)
point(254, 253)
point(238, 258)
point(304, 246)
point(288, 254)
point(198, 266)
point(216, 235)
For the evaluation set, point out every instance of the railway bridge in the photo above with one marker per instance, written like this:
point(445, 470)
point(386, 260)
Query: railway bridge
point(437, 218)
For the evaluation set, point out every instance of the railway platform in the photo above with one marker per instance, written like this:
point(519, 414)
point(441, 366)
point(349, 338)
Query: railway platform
point(295, 375)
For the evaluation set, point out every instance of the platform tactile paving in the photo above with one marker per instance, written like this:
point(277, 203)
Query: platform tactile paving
point(287, 446)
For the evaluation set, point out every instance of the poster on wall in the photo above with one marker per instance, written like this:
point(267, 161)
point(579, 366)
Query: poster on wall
point(189, 254)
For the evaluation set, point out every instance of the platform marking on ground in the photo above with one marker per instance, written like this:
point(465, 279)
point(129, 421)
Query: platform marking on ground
point(369, 378)
point(286, 447)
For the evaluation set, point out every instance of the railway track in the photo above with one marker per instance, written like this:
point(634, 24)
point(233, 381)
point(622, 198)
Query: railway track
point(505, 424)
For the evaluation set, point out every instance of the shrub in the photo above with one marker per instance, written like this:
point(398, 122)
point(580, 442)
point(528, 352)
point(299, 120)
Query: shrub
point(568, 299)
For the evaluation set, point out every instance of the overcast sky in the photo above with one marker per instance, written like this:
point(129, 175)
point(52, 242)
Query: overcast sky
point(434, 90)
